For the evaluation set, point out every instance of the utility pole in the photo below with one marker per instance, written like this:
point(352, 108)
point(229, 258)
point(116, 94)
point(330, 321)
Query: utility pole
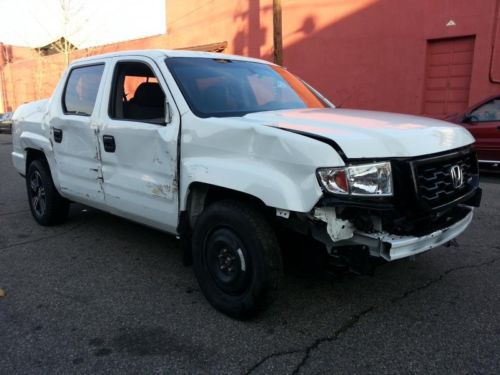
point(277, 33)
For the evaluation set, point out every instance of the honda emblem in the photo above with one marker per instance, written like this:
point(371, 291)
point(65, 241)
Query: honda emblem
point(457, 176)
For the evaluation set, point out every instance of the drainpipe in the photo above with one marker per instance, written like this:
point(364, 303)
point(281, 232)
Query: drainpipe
point(496, 34)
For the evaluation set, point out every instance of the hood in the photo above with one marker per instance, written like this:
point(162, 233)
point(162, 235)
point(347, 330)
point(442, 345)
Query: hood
point(370, 134)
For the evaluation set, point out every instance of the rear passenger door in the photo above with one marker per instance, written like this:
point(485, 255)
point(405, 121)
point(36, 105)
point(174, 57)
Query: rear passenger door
point(138, 144)
point(73, 132)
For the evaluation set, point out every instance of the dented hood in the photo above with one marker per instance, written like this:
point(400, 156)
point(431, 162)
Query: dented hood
point(369, 134)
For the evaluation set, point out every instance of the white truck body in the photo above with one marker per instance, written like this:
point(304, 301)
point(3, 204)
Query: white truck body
point(272, 156)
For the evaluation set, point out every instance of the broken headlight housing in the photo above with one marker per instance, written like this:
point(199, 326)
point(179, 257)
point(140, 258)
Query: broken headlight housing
point(373, 179)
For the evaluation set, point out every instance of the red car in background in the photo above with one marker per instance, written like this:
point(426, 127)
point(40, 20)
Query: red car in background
point(483, 121)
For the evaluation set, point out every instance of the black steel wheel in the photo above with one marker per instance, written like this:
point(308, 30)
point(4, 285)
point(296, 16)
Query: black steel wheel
point(236, 258)
point(37, 194)
point(227, 260)
point(46, 204)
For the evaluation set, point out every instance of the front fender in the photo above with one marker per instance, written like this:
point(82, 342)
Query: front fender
point(298, 192)
point(273, 165)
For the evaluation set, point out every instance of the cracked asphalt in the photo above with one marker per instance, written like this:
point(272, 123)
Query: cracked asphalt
point(103, 295)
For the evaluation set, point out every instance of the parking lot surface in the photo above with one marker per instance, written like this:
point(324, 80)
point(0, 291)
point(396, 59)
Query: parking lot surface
point(100, 294)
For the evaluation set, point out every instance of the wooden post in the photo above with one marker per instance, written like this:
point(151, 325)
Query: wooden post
point(277, 33)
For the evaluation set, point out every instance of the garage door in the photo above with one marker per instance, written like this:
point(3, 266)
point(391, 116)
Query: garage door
point(447, 76)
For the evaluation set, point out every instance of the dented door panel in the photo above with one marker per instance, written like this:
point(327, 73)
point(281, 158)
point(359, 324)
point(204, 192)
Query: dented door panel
point(140, 176)
point(76, 151)
point(77, 159)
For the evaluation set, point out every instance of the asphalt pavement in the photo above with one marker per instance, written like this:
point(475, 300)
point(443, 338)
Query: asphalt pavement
point(100, 294)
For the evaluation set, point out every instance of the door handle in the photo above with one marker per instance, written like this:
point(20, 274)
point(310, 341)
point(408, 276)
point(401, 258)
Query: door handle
point(109, 143)
point(498, 127)
point(58, 135)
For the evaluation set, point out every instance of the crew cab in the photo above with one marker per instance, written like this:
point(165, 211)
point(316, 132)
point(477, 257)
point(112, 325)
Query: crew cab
point(227, 151)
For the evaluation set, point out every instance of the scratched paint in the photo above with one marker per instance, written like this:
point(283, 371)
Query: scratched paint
point(161, 191)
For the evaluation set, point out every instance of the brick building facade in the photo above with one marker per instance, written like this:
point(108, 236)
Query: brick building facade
point(413, 56)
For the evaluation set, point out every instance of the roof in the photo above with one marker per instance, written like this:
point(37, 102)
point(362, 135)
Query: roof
point(212, 47)
point(159, 53)
point(57, 46)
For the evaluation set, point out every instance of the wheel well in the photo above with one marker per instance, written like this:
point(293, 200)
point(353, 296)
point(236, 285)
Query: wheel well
point(202, 195)
point(33, 154)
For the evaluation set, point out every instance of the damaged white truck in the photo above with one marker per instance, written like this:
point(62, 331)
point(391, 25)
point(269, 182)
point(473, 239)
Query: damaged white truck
point(226, 151)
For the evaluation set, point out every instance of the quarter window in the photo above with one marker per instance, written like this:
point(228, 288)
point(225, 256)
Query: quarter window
point(81, 90)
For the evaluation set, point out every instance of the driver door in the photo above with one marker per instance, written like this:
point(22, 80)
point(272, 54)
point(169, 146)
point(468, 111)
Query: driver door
point(138, 144)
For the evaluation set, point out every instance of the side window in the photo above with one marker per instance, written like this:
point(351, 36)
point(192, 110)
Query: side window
point(487, 112)
point(136, 94)
point(81, 90)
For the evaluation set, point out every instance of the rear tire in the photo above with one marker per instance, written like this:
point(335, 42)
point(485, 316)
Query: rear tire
point(236, 259)
point(46, 204)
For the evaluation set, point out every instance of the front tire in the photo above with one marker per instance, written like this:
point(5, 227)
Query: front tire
point(46, 204)
point(236, 259)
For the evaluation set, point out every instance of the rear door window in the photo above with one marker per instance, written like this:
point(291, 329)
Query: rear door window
point(81, 90)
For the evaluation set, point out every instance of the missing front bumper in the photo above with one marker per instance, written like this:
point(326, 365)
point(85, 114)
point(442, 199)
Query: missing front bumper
point(392, 247)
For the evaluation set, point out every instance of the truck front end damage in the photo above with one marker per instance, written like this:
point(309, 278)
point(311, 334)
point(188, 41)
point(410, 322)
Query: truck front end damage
point(381, 243)
point(430, 203)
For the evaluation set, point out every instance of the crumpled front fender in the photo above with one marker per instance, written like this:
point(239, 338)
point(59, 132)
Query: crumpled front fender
point(273, 165)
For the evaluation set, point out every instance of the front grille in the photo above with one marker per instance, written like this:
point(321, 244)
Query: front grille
point(434, 178)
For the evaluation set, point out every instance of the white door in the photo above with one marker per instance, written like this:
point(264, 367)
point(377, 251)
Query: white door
point(73, 134)
point(138, 146)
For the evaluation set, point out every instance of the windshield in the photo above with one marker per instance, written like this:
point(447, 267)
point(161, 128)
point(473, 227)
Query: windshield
point(222, 88)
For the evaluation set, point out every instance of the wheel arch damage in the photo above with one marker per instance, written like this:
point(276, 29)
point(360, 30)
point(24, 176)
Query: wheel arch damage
point(272, 165)
point(201, 195)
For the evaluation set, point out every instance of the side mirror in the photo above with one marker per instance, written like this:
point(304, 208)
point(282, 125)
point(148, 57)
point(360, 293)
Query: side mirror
point(469, 118)
point(168, 113)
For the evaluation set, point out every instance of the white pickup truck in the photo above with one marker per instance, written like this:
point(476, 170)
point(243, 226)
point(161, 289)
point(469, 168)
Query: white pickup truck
point(226, 151)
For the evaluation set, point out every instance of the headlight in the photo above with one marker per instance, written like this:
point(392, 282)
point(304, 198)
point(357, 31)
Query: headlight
point(361, 180)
